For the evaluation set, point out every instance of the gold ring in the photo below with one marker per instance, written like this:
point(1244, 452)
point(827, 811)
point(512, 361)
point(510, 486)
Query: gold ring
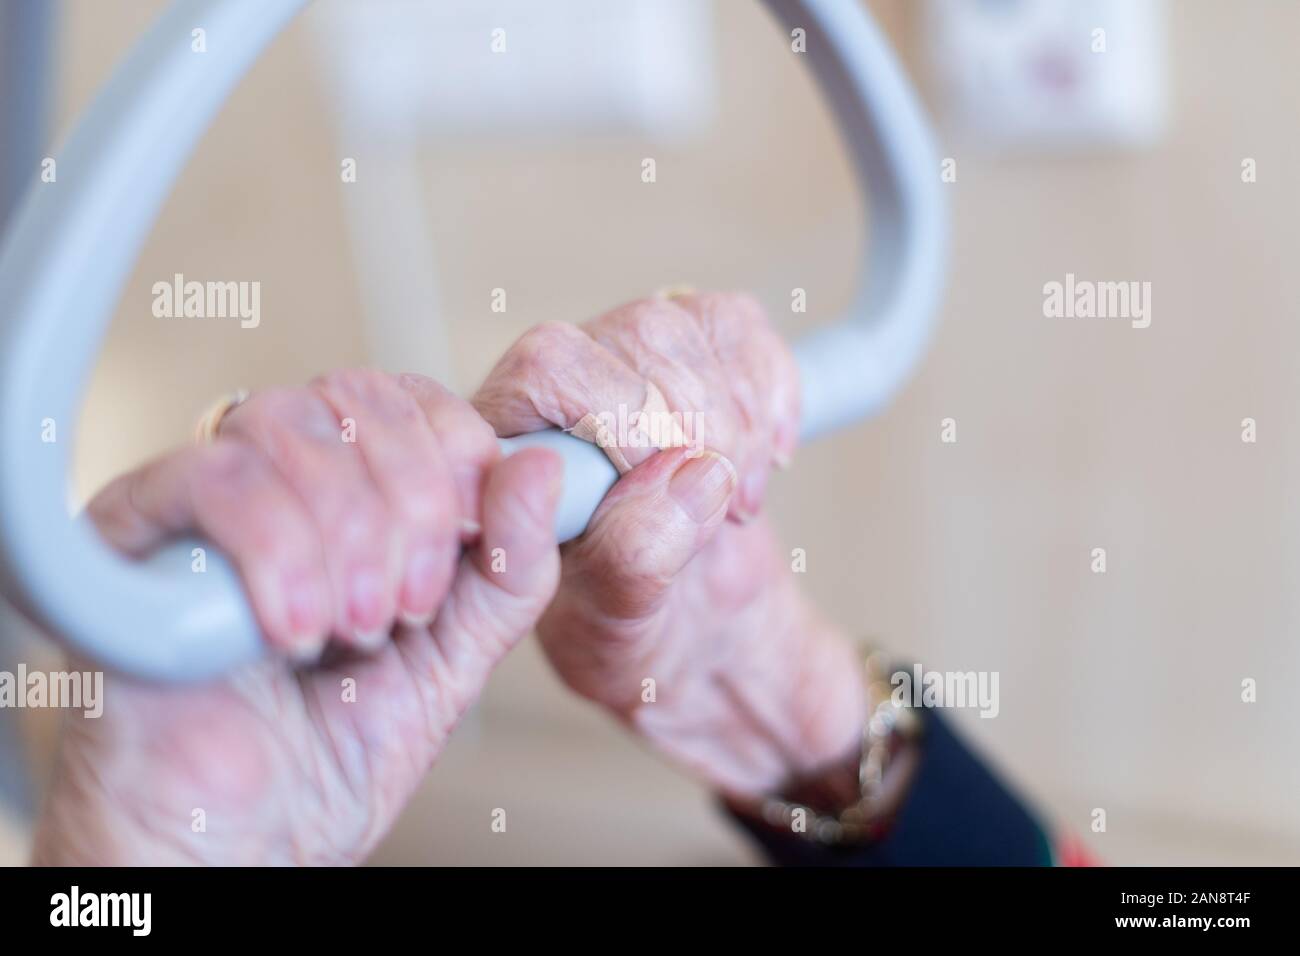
point(210, 422)
point(674, 291)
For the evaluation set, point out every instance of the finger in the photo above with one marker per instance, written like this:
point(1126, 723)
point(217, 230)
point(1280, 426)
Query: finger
point(407, 465)
point(653, 521)
point(554, 376)
point(230, 493)
point(665, 345)
point(310, 448)
point(763, 380)
point(467, 441)
point(621, 574)
point(724, 368)
point(505, 581)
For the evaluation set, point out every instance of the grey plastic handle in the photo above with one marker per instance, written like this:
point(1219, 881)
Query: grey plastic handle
point(74, 242)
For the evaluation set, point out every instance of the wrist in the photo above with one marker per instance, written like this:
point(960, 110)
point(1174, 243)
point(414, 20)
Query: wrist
point(852, 801)
point(828, 704)
point(792, 705)
point(80, 832)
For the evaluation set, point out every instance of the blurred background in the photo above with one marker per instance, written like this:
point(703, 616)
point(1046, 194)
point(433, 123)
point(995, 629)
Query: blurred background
point(522, 171)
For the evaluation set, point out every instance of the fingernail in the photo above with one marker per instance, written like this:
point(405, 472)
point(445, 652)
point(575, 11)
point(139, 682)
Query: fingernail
point(417, 592)
point(305, 605)
point(703, 485)
point(469, 484)
point(306, 649)
point(364, 601)
point(370, 640)
point(416, 621)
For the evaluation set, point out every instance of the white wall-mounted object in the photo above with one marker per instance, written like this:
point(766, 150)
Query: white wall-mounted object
point(402, 72)
point(1050, 73)
point(511, 66)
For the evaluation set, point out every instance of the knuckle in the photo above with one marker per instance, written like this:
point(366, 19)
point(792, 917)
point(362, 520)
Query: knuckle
point(420, 384)
point(631, 584)
point(267, 406)
point(427, 393)
point(626, 598)
point(730, 319)
point(423, 504)
point(356, 520)
point(281, 420)
point(544, 341)
point(349, 381)
point(475, 439)
point(641, 311)
point(464, 436)
point(275, 538)
point(108, 503)
point(354, 390)
point(229, 465)
point(655, 322)
point(404, 410)
point(237, 481)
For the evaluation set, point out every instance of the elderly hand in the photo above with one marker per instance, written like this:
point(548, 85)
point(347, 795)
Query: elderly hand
point(332, 538)
point(677, 610)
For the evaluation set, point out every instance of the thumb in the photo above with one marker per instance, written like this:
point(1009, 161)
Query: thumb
point(654, 520)
point(507, 579)
point(503, 584)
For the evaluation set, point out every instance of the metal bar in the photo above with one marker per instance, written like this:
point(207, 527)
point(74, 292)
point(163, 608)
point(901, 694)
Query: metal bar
point(70, 249)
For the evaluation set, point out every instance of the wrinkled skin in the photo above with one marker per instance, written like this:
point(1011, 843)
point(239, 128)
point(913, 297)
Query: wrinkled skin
point(332, 539)
point(678, 579)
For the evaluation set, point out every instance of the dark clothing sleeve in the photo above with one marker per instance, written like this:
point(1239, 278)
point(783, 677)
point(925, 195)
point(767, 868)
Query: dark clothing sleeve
point(956, 813)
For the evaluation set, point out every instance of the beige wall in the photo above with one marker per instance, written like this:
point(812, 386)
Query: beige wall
point(1118, 691)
